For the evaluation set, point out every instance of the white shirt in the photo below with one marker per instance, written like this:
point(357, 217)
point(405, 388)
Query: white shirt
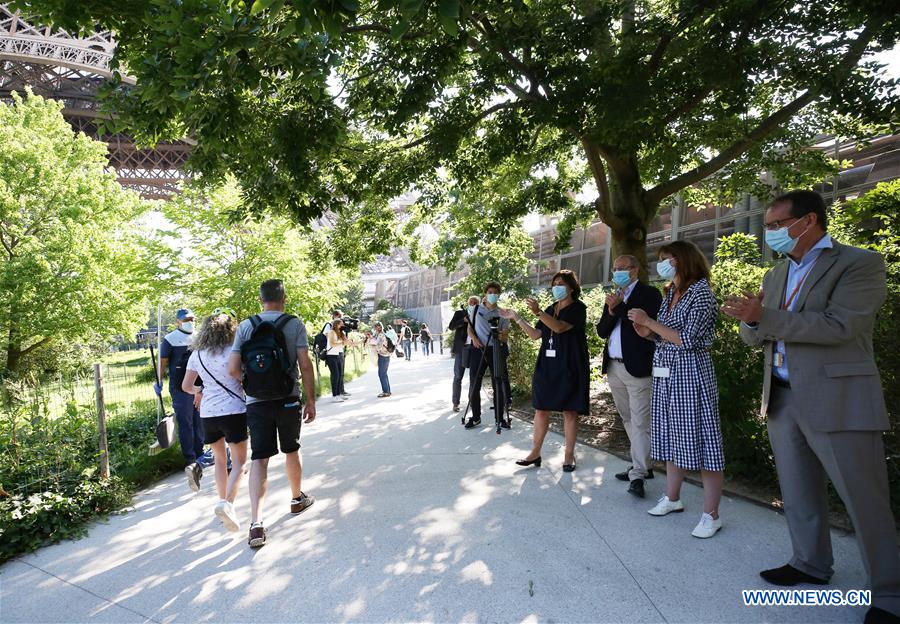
point(615, 338)
point(216, 401)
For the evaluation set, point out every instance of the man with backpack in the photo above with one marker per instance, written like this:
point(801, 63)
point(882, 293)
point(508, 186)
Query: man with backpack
point(174, 352)
point(406, 336)
point(267, 350)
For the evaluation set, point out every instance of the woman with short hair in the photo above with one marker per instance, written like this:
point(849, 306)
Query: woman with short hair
point(686, 432)
point(561, 381)
point(223, 411)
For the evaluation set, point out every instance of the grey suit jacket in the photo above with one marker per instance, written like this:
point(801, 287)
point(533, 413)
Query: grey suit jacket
point(828, 339)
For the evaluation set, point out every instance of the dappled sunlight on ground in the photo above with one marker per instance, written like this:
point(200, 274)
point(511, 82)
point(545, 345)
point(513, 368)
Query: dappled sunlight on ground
point(416, 519)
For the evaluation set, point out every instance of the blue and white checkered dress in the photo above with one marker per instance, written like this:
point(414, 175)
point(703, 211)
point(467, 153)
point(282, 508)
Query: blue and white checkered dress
point(685, 405)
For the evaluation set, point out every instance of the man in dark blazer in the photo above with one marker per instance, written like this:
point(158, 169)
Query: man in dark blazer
point(822, 395)
point(459, 350)
point(628, 364)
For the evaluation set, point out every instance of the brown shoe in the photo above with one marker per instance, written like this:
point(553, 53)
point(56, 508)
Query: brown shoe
point(300, 504)
point(257, 536)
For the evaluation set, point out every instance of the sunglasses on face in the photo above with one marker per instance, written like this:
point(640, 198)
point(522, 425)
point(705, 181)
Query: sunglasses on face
point(227, 311)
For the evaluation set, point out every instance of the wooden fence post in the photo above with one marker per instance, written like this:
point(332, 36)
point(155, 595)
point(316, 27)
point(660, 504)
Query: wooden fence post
point(101, 422)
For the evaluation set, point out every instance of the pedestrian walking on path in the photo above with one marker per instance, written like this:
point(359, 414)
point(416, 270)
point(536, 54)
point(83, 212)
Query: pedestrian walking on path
point(685, 401)
point(561, 381)
point(267, 350)
point(223, 411)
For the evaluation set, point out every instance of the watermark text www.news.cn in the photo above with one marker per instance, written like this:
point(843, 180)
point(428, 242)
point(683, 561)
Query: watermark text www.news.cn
point(806, 598)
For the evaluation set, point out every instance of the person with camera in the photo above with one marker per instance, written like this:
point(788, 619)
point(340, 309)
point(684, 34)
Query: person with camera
point(628, 362)
point(486, 317)
point(334, 358)
point(561, 381)
point(222, 410)
point(460, 348)
point(270, 355)
point(383, 347)
point(349, 324)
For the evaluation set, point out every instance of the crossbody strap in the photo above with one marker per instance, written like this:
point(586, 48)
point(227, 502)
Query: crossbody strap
point(213, 377)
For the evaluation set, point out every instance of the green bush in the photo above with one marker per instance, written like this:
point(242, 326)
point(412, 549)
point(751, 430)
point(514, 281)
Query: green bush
point(49, 461)
point(739, 369)
point(873, 222)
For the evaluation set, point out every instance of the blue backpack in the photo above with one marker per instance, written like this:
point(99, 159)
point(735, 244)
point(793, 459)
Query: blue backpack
point(267, 369)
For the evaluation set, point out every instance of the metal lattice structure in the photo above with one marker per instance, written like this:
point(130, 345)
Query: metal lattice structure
point(70, 68)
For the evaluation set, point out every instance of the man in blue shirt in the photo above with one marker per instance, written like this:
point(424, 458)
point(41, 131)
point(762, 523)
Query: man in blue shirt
point(173, 355)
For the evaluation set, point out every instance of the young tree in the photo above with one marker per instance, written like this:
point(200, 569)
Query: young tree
point(653, 97)
point(226, 256)
point(71, 268)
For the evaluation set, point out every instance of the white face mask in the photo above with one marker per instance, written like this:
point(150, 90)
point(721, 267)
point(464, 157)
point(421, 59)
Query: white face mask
point(187, 326)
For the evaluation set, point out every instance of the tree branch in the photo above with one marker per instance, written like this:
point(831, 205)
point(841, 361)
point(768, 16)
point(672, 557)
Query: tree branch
point(481, 116)
point(599, 172)
point(765, 127)
point(39, 343)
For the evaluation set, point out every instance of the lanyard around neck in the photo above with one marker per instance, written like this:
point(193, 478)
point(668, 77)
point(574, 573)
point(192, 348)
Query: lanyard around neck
point(790, 299)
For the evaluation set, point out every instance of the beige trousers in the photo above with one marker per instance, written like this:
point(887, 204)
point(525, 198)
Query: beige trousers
point(632, 398)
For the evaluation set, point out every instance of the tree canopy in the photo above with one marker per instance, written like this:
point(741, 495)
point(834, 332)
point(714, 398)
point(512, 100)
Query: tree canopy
point(71, 268)
point(321, 106)
point(220, 262)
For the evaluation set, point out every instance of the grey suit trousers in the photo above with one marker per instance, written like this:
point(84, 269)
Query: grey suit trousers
point(854, 462)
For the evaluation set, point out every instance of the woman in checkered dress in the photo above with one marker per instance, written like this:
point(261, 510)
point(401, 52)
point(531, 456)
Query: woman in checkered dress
point(685, 402)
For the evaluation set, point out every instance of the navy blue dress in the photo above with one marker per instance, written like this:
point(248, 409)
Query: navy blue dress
point(562, 383)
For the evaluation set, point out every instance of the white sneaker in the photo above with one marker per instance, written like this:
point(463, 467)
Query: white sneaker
point(338, 399)
point(707, 527)
point(225, 513)
point(665, 506)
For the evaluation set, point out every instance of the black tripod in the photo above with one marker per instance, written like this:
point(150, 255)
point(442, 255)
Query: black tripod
point(496, 379)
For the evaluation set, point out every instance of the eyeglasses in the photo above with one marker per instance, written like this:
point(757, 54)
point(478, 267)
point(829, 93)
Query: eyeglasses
point(227, 311)
point(776, 225)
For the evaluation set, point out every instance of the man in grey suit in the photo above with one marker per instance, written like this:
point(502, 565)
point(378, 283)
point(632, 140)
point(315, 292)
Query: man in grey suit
point(822, 394)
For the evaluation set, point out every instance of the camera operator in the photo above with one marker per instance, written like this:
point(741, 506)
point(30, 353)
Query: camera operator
point(349, 324)
point(460, 349)
point(481, 354)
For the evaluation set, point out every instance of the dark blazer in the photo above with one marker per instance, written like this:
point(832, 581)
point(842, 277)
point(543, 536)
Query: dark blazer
point(636, 351)
point(458, 324)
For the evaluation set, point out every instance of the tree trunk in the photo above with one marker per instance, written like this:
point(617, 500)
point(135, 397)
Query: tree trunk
point(631, 210)
point(13, 358)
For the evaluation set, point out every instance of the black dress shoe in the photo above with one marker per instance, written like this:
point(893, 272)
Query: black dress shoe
point(623, 476)
point(473, 422)
point(505, 423)
point(536, 462)
point(456, 407)
point(568, 467)
point(788, 576)
point(876, 615)
point(637, 488)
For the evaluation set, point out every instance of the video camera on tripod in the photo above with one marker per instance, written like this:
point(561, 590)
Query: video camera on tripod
point(496, 377)
point(350, 323)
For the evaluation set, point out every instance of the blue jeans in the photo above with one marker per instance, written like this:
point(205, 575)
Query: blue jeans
point(383, 363)
point(407, 348)
point(426, 347)
point(190, 428)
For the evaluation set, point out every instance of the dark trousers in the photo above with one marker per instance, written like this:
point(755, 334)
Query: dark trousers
point(460, 362)
point(336, 366)
point(190, 428)
point(479, 361)
point(343, 368)
point(383, 362)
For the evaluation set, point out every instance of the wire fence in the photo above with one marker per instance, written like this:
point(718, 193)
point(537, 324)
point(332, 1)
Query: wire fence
point(49, 429)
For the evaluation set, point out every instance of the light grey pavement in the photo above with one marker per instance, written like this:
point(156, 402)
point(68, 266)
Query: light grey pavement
point(417, 519)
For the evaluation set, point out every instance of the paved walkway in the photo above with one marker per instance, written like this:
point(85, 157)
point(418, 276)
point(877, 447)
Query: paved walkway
point(418, 519)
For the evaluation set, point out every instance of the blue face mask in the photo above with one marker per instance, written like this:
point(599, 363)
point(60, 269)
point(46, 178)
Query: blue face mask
point(665, 269)
point(621, 278)
point(780, 240)
point(493, 298)
point(559, 292)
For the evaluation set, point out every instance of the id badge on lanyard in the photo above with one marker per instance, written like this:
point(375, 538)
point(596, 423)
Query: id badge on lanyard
point(550, 352)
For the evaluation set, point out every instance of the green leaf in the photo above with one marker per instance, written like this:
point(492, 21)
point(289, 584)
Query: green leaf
point(260, 5)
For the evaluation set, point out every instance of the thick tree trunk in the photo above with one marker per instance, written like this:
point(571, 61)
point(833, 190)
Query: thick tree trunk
point(631, 209)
